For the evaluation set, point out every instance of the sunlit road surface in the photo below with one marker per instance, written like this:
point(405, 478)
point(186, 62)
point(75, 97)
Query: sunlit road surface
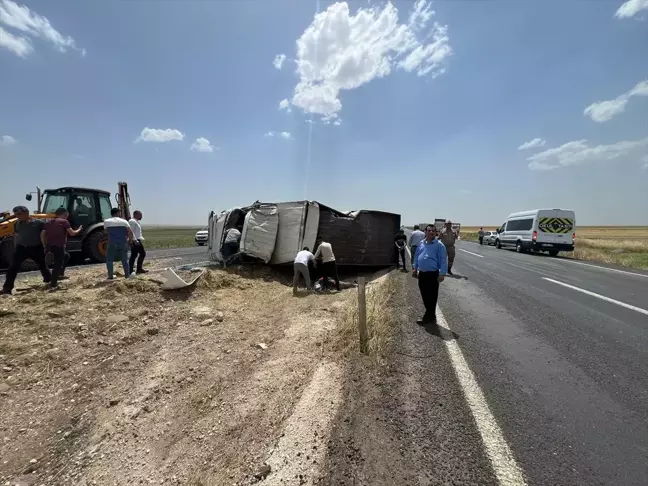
point(558, 351)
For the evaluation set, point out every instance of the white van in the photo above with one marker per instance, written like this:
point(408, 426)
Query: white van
point(550, 230)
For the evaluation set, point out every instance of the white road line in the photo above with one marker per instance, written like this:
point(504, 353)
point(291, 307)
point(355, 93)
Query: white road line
point(602, 297)
point(466, 251)
point(506, 469)
point(605, 268)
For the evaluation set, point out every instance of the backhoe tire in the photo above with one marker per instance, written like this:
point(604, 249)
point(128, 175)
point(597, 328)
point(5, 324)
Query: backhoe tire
point(94, 246)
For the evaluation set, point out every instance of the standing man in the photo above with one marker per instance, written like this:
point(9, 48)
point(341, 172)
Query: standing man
point(137, 247)
point(329, 266)
point(54, 238)
point(400, 240)
point(27, 244)
point(120, 236)
point(430, 266)
point(415, 238)
point(448, 237)
point(300, 267)
point(481, 236)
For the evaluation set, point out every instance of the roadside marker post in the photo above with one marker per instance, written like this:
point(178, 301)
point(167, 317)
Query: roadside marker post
point(362, 314)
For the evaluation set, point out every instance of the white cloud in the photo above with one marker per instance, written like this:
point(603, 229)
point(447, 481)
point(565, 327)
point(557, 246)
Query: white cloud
point(340, 50)
point(602, 111)
point(337, 122)
point(278, 61)
point(536, 142)
point(6, 140)
point(19, 45)
point(159, 135)
point(284, 135)
point(202, 145)
point(578, 152)
point(20, 18)
point(285, 105)
point(631, 8)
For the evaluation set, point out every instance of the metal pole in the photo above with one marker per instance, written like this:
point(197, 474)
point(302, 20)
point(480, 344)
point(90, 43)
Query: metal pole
point(362, 314)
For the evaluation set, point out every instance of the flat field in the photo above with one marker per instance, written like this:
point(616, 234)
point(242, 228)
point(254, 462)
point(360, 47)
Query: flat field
point(158, 237)
point(621, 245)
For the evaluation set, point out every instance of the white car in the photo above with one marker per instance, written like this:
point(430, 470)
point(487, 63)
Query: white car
point(490, 237)
point(202, 236)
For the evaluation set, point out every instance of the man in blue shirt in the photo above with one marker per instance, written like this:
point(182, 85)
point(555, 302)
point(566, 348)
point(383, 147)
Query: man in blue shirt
point(415, 239)
point(430, 267)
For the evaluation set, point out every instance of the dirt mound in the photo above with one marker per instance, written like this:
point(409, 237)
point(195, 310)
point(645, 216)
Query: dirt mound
point(124, 383)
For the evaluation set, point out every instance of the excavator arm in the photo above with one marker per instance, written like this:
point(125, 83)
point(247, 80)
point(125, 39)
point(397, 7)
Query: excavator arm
point(123, 200)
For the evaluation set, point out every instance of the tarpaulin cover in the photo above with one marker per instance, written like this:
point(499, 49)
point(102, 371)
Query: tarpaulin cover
point(364, 238)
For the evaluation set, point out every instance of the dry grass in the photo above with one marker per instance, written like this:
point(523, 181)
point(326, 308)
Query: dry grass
point(628, 253)
point(381, 319)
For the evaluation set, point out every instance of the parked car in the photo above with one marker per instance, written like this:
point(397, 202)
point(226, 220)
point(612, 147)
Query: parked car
point(202, 236)
point(490, 237)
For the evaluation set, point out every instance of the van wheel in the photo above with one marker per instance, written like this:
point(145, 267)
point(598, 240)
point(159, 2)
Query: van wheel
point(553, 253)
point(518, 247)
point(498, 244)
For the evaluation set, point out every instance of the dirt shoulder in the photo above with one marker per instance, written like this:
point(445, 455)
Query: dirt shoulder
point(121, 383)
point(405, 421)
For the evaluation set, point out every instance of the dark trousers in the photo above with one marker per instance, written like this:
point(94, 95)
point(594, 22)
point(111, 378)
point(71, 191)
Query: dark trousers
point(329, 269)
point(58, 267)
point(137, 250)
point(401, 253)
point(429, 287)
point(22, 253)
point(481, 240)
point(229, 249)
point(413, 249)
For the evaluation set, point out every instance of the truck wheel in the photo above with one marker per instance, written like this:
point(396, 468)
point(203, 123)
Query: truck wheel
point(553, 253)
point(95, 245)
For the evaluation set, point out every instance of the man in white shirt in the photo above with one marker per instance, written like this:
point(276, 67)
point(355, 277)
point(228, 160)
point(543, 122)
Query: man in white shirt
point(301, 268)
point(137, 246)
point(329, 266)
point(415, 239)
point(231, 244)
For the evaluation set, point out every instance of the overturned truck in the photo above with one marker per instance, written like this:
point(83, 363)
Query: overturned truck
point(275, 232)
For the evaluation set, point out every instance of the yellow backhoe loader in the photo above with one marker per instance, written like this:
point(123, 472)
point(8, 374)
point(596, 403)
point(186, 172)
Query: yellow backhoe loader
point(87, 207)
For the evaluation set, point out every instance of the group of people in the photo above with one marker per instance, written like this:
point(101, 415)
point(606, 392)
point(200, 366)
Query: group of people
point(307, 264)
point(432, 257)
point(35, 239)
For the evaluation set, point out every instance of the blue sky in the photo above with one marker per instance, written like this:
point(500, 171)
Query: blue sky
point(404, 107)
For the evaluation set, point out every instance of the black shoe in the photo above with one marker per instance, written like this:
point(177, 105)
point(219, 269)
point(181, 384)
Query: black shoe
point(5, 292)
point(64, 277)
point(141, 270)
point(425, 321)
point(450, 272)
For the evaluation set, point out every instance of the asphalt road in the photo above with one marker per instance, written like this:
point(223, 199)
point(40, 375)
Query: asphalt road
point(564, 372)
